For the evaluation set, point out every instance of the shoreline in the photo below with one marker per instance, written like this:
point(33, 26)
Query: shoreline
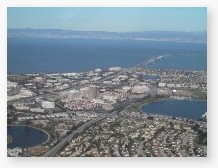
point(40, 129)
point(86, 71)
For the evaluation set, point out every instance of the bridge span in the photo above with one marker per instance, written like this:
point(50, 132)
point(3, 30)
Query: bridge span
point(151, 60)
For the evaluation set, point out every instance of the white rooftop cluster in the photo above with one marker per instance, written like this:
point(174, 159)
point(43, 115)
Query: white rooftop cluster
point(140, 89)
point(115, 69)
point(88, 92)
point(22, 94)
point(11, 85)
point(98, 70)
point(14, 152)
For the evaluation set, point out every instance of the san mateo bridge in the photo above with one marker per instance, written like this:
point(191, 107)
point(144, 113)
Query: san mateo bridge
point(151, 60)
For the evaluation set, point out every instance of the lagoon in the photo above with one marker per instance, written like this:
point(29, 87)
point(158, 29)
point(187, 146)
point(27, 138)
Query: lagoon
point(192, 109)
point(24, 136)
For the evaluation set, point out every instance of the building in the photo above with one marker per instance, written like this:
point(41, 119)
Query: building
point(171, 85)
point(140, 89)
point(115, 69)
point(84, 92)
point(89, 92)
point(21, 106)
point(84, 82)
point(48, 104)
point(93, 91)
point(161, 84)
point(37, 110)
point(73, 94)
point(97, 70)
point(164, 92)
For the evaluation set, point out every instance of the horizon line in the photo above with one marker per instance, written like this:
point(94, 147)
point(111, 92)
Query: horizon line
point(106, 30)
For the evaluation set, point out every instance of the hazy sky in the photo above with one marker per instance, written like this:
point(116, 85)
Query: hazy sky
point(109, 19)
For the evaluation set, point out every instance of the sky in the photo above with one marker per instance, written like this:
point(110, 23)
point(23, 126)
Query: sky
point(113, 19)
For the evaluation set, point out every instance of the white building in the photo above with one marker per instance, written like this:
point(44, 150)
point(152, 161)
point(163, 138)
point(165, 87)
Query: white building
point(174, 91)
point(73, 94)
point(37, 110)
point(107, 82)
point(171, 85)
point(96, 79)
point(164, 92)
point(93, 91)
point(70, 74)
point(84, 81)
point(98, 70)
point(84, 92)
point(115, 69)
point(140, 89)
point(21, 106)
point(161, 84)
point(89, 92)
point(48, 104)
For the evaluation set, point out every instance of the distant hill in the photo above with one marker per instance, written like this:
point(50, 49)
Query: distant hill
point(172, 36)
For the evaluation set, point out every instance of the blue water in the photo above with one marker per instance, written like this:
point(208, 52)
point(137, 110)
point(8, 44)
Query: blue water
point(195, 61)
point(23, 136)
point(77, 55)
point(178, 108)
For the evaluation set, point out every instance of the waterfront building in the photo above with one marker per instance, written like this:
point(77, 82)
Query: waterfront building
point(115, 69)
point(98, 70)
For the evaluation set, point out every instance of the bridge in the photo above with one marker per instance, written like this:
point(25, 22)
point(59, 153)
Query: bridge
point(140, 65)
point(151, 60)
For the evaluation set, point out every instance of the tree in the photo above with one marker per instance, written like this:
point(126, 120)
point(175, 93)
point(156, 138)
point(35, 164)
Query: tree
point(196, 127)
point(173, 117)
point(150, 117)
point(171, 124)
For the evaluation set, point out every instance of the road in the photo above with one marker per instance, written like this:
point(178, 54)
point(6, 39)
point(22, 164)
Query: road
point(162, 152)
point(59, 146)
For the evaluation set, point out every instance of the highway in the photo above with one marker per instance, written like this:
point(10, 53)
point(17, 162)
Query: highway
point(59, 146)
